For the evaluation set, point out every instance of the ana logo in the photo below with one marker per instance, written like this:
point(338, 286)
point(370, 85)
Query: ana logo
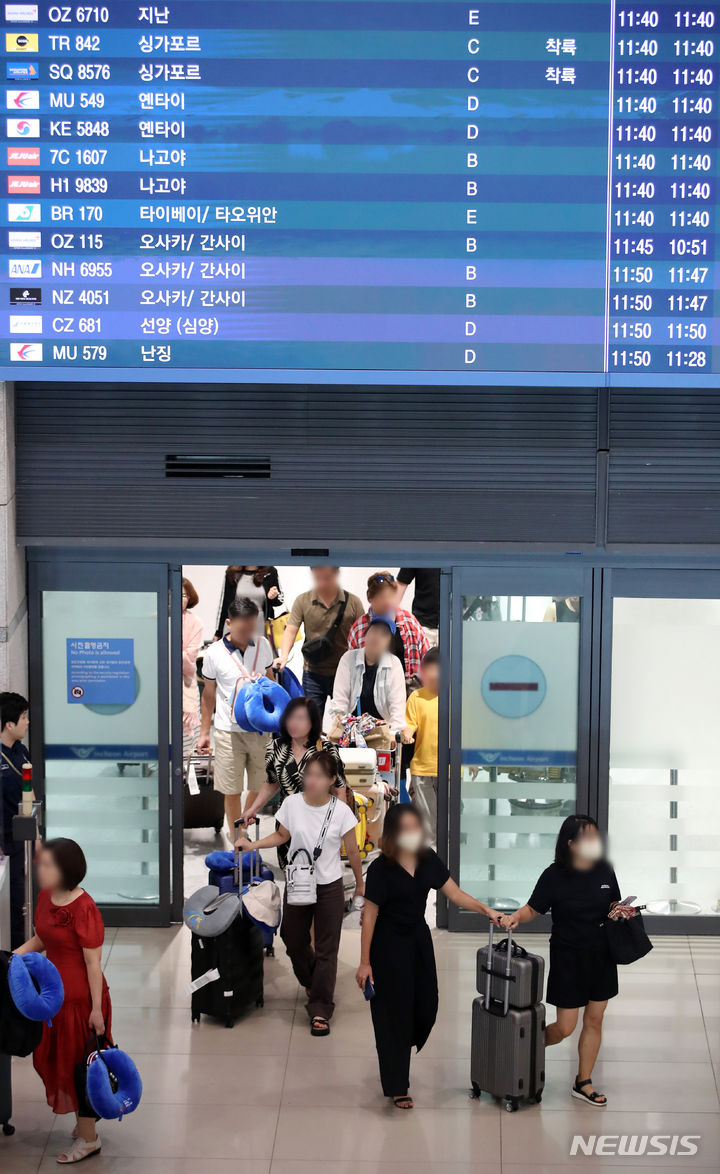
point(78, 691)
point(23, 156)
point(23, 128)
point(24, 213)
point(21, 13)
point(24, 240)
point(21, 42)
point(26, 352)
point(27, 71)
point(26, 267)
point(26, 323)
point(23, 99)
point(25, 295)
point(24, 185)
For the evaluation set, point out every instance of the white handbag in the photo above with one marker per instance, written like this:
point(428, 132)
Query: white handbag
point(300, 880)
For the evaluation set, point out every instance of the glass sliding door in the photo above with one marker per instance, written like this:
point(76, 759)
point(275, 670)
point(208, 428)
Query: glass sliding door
point(663, 762)
point(100, 734)
point(518, 753)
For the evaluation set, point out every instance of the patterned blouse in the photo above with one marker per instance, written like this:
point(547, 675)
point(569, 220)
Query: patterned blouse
point(286, 773)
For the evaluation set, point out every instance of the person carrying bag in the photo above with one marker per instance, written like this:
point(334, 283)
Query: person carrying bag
point(316, 825)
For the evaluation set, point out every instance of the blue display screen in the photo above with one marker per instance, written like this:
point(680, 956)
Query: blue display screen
point(355, 191)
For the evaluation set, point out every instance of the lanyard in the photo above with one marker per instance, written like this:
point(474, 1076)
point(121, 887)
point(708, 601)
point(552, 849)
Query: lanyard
point(326, 824)
point(240, 663)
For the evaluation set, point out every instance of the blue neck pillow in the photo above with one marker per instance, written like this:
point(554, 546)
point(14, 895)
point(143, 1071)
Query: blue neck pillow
point(239, 708)
point(114, 1087)
point(265, 702)
point(35, 986)
point(290, 683)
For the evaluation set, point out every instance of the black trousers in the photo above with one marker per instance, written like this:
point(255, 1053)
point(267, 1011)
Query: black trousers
point(316, 969)
point(405, 1005)
point(16, 855)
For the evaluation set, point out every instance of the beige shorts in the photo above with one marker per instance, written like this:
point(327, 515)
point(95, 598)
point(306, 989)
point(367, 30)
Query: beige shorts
point(238, 753)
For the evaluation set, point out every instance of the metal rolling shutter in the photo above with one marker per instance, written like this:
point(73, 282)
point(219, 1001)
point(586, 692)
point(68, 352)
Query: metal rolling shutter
point(664, 479)
point(433, 463)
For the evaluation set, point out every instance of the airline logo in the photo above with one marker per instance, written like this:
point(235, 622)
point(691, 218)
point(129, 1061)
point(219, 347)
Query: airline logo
point(23, 99)
point(23, 128)
point(23, 71)
point(24, 240)
point(23, 156)
point(25, 295)
point(24, 268)
point(21, 43)
point(24, 213)
point(23, 185)
point(26, 352)
point(21, 13)
point(26, 323)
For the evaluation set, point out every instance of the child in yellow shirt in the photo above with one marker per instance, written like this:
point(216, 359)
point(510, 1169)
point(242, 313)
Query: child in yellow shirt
point(422, 718)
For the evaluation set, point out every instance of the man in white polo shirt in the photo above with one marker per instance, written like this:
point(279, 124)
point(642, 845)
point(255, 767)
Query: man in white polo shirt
point(239, 656)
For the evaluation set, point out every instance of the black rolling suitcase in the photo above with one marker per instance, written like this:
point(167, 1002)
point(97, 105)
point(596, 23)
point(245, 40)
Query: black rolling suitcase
point(231, 963)
point(6, 1095)
point(203, 806)
point(507, 1056)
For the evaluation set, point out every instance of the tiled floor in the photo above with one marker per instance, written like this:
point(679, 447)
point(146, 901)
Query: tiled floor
point(267, 1098)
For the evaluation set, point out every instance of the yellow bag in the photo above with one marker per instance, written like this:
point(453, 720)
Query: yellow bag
point(362, 805)
point(275, 630)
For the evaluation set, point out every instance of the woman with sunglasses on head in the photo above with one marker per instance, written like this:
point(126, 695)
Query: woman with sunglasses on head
point(261, 584)
point(409, 642)
point(579, 890)
point(397, 962)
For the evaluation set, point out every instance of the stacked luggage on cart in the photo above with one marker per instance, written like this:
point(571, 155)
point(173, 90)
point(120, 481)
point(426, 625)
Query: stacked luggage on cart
point(507, 1057)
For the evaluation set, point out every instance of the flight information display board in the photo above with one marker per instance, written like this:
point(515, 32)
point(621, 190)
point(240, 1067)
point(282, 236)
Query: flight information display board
point(362, 190)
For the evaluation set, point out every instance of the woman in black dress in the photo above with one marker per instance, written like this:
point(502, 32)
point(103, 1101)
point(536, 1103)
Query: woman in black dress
point(396, 950)
point(579, 890)
point(287, 756)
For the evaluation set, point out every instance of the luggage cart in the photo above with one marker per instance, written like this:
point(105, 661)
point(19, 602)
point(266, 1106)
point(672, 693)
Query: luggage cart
point(369, 789)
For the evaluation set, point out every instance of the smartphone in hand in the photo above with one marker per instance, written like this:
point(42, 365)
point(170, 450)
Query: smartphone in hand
point(369, 991)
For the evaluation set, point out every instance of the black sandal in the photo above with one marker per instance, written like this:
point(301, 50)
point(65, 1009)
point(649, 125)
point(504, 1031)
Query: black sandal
point(598, 1099)
point(319, 1025)
point(405, 1102)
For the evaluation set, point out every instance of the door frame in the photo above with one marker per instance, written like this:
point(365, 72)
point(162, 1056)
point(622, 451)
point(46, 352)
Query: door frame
point(109, 576)
point(529, 579)
point(635, 583)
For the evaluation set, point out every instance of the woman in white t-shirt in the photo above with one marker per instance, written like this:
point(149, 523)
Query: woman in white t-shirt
point(301, 820)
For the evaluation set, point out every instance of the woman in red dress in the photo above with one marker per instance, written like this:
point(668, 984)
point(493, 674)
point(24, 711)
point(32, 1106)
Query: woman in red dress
point(69, 928)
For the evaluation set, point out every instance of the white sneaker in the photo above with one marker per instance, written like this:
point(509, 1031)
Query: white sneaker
point(79, 1151)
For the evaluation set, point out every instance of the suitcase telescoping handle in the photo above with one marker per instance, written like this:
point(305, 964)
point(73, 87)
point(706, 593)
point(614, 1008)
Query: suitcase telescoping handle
point(254, 861)
point(489, 971)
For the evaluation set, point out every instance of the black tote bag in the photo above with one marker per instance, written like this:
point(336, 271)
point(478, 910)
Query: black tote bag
point(627, 940)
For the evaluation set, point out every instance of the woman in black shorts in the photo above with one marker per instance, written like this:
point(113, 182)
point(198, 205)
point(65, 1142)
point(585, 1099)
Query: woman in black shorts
point(579, 890)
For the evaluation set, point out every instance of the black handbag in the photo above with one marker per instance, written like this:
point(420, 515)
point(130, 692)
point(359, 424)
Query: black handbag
point(627, 940)
point(96, 1043)
point(321, 648)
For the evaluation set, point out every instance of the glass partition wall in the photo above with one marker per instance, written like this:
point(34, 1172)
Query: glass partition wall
point(102, 761)
point(664, 742)
point(518, 752)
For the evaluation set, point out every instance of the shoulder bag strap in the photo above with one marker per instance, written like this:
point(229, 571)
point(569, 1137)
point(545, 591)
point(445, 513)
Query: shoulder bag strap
point(326, 824)
point(338, 618)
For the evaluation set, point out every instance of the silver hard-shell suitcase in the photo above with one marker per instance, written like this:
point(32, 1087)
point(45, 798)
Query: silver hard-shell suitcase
point(507, 1056)
point(527, 973)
